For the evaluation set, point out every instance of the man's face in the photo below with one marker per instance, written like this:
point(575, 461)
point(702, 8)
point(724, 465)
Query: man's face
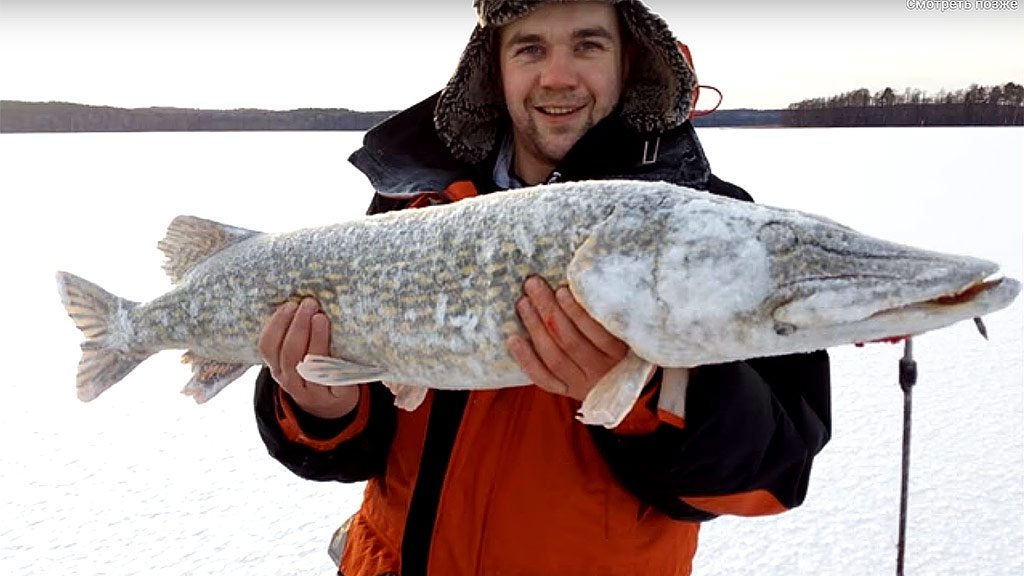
point(562, 71)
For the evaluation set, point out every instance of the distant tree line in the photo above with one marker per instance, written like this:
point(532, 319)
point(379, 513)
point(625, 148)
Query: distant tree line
point(18, 116)
point(974, 106)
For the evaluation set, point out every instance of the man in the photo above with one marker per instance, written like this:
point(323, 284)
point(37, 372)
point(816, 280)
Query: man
point(507, 481)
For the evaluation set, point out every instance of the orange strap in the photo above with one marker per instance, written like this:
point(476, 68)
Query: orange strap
point(671, 419)
point(458, 190)
point(425, 199)
point(694, 113)
point(753, 503)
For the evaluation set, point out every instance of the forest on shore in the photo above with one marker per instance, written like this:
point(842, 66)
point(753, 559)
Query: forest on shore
point(999, 105)
point(17, 116)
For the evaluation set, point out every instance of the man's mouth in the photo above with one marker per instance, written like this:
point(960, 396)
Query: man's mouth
point(558, 110)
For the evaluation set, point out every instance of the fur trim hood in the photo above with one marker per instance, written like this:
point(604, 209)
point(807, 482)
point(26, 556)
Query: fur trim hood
point(658, 94)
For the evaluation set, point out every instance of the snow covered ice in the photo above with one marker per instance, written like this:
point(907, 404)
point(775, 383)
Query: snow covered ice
point(144, 481)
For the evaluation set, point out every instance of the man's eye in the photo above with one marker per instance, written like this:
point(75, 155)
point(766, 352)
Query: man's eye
point(529, 50)
point(589, 46)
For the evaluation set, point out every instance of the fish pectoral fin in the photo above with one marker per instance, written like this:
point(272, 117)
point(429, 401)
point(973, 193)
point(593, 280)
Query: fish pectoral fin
point(407, 397)
point(337, 372)
point(614, 395)
point(672, 396)
point(209, 376)
point(190, 240)
point(615, 281)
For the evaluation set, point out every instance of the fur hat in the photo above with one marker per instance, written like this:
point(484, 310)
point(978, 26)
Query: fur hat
point(658, 94)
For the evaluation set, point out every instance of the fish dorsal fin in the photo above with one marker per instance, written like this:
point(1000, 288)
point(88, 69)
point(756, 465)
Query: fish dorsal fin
point(190, 240)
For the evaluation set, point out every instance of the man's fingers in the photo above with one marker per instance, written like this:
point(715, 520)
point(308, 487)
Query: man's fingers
point(273, 334)
point(320, 335)
point(556, 361)
point(319, 344)
point(535, 370)
point(296, 339)
point(595, 333)
point(557, 323)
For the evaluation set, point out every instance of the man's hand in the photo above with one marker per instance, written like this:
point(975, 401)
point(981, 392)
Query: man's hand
point(291, 332)
point(567, 351)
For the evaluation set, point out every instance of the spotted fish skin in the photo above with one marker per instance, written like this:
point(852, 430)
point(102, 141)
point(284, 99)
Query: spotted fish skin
point(427, 297)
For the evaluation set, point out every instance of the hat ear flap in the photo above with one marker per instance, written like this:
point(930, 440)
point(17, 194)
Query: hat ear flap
point(468, 110)
point(660, 86)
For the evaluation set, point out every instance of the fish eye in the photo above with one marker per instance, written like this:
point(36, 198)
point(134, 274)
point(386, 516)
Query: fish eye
point(784, 328)
point(778, 237)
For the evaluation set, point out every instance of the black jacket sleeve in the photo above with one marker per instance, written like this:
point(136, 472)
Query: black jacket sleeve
point(357, 458)
point(753, 425)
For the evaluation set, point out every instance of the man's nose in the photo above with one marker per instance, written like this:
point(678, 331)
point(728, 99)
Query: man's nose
point(559, 71)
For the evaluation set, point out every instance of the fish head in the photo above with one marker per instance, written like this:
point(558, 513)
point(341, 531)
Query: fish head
point(833, 285)
point(732, 281)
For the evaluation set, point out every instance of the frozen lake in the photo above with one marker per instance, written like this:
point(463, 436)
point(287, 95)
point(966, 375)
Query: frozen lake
point(142, 481)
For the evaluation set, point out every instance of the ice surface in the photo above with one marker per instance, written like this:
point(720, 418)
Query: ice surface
point(144, 481)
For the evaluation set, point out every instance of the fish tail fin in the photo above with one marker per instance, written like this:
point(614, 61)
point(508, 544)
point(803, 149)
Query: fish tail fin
point(102, 318)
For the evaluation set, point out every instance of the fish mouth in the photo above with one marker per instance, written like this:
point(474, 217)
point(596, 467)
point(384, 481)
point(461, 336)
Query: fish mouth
point(973, 301)
point(965, 295)
point(971, 295)
point(854, 315)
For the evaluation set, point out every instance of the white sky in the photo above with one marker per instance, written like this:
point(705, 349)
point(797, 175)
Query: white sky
point(375, 55)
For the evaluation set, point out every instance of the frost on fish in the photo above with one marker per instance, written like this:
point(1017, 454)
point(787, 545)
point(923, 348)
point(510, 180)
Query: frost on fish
point(426, 298)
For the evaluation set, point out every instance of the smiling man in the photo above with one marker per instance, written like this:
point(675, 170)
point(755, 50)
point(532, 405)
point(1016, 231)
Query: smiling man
point(562, 69)
point(508, 481)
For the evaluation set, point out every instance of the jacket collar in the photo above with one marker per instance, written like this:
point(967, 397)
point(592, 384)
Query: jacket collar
point(612, 150)
point(403, 155)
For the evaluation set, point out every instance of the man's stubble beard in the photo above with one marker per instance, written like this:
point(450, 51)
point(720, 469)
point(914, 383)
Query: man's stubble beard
point(537, 139)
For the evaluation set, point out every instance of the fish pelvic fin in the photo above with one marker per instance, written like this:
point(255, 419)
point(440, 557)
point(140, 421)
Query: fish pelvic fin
point(209, 376)
point(102, 318)
point(672, 396)
point(613, 397)
point(191, 240)
point(407, 397)
point(329, 371)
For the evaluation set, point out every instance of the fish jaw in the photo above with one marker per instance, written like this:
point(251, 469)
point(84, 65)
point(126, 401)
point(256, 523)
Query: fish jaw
point(838, 286)
point(831, 301)
point(915, 318)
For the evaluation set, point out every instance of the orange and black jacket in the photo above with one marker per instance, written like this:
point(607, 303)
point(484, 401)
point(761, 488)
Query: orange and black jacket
point(508, 481)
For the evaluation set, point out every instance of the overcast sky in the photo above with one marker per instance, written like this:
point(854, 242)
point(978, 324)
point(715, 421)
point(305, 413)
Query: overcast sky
point(387, 54)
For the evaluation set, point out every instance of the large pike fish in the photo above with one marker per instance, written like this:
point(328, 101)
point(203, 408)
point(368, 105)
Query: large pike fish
point(425, 298)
